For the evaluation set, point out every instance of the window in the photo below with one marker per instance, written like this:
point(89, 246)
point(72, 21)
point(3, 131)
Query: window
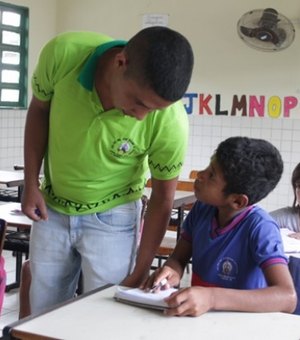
point(13, 56)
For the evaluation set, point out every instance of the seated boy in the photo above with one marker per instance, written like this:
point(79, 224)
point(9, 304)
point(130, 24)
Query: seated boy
point(238, 262)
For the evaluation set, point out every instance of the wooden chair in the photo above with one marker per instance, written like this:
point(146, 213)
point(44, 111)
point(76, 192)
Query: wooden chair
point(193, 174)
point(3, 226)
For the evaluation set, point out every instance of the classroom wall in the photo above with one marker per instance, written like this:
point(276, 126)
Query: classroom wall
point(224, 68)
point(42, 26)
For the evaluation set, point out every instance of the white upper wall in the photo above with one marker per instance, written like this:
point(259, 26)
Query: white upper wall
point(223, 63)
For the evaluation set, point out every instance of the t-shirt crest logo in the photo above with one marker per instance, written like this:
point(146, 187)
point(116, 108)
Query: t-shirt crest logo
point(227, 269)
point(122, 147)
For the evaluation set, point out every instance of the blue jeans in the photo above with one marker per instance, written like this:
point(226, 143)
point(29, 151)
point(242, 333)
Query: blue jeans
point(102, 245)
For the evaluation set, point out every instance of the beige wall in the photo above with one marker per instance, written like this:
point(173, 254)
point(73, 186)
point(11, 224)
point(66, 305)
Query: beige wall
point(224, 64)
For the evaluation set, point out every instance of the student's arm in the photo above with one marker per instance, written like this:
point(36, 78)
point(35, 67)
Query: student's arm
point(36, 139)
point(173, 268)
point(279, 296)
point(155, 223)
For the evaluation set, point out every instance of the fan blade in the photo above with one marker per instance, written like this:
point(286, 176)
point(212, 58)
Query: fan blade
point(281, 35)
point(248, 32)
point(269, 18)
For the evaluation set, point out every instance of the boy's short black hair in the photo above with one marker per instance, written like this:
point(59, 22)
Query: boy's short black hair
point(162, 59)
point(295, 180)
point(250, 166)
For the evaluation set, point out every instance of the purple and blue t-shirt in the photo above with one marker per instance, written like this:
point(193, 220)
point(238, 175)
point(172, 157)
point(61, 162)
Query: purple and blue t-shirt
point(234, 256)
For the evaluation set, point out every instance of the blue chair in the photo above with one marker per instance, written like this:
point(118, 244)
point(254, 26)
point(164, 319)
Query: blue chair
point(294, 267)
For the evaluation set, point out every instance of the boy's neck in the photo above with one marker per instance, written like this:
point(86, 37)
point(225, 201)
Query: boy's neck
point(104, 73)
point(225, 215)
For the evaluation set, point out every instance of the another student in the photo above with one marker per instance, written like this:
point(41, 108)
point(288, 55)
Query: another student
point(289, 217)
point(238, 262)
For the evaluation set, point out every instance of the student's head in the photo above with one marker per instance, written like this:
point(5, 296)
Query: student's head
point(251, 167)
point(162, 59)
point(296, 185)
point(151, 72)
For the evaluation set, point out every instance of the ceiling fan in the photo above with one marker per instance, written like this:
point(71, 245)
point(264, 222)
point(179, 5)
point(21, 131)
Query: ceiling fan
point(266, 30)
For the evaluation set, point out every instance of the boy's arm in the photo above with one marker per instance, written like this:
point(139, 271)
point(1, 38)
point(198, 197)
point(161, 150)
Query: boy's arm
point(173, 268)
point(155, 223)
point(279, 296)
point(36, 139)
point(180, 256)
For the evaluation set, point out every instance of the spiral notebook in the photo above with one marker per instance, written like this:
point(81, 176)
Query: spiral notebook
point(140, 298)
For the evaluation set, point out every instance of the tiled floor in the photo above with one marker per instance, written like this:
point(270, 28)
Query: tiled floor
point(10, 308)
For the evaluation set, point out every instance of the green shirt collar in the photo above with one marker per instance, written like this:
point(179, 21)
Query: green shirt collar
point(87, 74)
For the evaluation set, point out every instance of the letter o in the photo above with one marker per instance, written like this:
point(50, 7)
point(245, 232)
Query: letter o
point(274, 107)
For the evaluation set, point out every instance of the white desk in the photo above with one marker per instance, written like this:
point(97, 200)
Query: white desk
point(291, 245)
point(98, 316)
point(11, 212)
point(12, 178)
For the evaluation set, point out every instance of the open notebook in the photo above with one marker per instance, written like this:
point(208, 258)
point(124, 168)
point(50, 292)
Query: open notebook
point(140, 298)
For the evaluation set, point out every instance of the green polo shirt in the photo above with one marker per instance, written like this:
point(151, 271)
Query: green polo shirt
point(98, 159)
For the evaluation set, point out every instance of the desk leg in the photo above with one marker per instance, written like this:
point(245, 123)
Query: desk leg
point(16, 284)
point(180, 218)
point(179, 227)
point(20, 191)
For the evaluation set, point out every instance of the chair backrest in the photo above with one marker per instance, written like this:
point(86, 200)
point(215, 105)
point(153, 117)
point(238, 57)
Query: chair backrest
point(294, 267)
point(3, 225)
point(183, 185)
point(193, 174)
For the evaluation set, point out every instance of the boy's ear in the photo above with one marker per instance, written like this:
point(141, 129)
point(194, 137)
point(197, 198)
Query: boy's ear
point(121, 59)
point(239, 201)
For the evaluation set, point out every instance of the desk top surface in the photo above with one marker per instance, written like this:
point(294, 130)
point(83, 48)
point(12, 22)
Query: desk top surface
point(12, 178)
point(98, 315)
point(11, 212)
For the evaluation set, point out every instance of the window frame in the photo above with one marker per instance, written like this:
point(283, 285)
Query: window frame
point(22, 67)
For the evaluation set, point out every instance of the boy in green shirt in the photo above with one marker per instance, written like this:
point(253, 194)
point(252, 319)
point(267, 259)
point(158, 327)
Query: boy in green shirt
point(103, 113)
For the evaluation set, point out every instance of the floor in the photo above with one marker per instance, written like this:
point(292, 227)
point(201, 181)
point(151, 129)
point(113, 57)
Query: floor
point(10, 308)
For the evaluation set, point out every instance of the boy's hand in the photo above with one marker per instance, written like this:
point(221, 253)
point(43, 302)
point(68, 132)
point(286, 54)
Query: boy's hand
point(192, 301)
point(33, 204)
point(163, 274)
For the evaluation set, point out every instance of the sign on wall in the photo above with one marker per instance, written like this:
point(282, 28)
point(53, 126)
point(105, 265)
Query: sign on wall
point(242, 105)
point(149, 20)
